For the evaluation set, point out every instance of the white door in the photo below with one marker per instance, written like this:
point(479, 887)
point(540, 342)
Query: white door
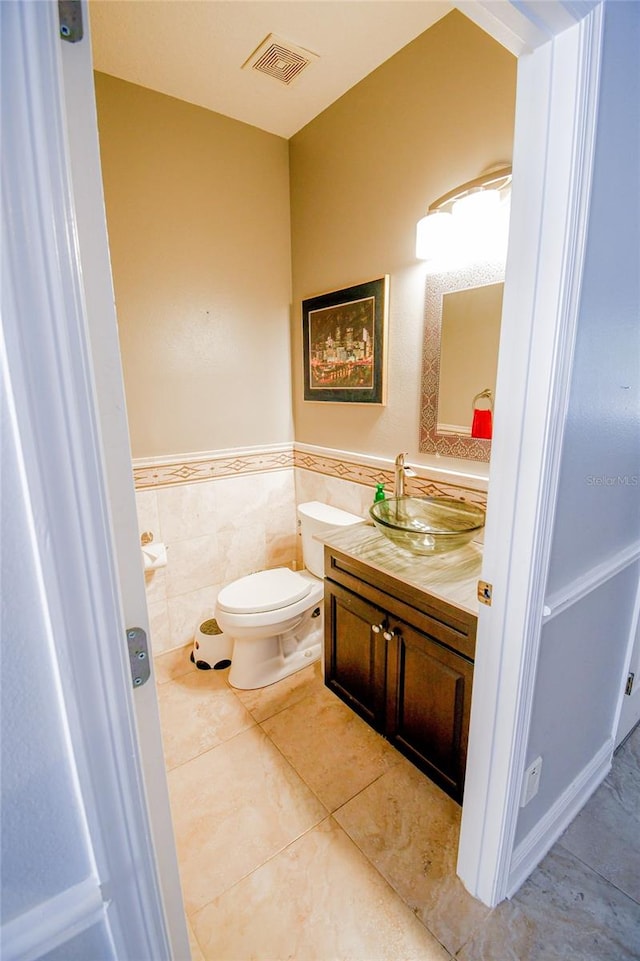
point(89, 867)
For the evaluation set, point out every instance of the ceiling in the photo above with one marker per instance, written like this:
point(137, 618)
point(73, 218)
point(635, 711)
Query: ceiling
point(195, 50)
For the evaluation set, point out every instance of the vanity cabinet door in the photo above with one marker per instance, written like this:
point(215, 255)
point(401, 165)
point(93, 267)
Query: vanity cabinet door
point(428, 705)
point(355, 653)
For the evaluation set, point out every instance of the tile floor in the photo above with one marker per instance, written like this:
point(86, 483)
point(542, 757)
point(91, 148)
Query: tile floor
point(303, 835)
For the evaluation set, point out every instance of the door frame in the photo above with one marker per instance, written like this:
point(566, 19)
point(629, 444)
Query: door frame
point(48, 370)
point(558, 72)
point(110, 409)
point(559, 55)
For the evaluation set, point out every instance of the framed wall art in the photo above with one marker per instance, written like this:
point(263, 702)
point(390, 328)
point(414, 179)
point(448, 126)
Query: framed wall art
point(345, 344)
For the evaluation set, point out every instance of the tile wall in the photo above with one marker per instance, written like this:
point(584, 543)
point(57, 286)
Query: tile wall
point(226, 514)
point(215, 531)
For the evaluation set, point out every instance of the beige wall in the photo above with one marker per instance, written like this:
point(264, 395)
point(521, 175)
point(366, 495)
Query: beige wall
point(362, 174)
point(198, 218)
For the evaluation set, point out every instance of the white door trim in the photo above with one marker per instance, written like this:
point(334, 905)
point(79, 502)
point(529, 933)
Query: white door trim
point(523, 26)
point(552, 169)
point(52, 398)
point(110, 409)
point(552, 166)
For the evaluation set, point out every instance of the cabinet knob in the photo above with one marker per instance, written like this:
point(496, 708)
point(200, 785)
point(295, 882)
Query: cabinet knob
point(376, 628)
point(388, 635)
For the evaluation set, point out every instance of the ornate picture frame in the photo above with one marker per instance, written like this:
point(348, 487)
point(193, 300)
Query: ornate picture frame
point(345, 344)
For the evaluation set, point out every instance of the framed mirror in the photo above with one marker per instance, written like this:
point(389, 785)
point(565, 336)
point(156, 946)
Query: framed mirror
point(463, 309)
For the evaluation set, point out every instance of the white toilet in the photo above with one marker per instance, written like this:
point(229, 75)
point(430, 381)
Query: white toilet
point(275, 618)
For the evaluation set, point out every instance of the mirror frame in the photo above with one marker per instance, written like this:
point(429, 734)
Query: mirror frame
point(438, 284)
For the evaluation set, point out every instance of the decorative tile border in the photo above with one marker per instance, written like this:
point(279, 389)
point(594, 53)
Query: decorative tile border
point(369, 471)
point(166, 472)
point(361, 472)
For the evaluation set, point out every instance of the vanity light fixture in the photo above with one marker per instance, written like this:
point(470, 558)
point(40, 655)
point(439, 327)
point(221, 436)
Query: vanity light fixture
point(469, 222)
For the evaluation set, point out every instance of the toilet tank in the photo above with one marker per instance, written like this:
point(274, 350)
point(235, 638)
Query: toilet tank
point(317, 518)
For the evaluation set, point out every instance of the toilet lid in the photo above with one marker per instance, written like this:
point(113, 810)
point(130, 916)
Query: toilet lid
point(263, 591)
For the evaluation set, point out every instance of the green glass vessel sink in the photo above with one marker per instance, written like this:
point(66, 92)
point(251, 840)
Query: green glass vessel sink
point(427, 525)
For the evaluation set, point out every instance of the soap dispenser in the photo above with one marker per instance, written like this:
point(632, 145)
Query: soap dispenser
point(380, 494)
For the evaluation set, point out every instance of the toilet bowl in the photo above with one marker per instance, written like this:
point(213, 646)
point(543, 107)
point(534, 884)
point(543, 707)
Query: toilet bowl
point(274, 618)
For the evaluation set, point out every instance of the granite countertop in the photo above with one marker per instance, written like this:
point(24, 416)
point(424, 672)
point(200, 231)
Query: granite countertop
point(452, 577)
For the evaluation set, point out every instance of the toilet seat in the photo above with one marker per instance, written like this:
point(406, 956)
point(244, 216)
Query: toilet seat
point(264, 591)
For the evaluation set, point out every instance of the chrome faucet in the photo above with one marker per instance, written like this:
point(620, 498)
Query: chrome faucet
point(402, 471)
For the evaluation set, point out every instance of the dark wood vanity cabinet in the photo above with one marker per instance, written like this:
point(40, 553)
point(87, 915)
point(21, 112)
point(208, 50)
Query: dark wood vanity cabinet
point(357, 653)
point(403, 661)
point(428, 704)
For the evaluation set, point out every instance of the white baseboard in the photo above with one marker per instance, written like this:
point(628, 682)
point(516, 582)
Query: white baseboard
point(539, 841)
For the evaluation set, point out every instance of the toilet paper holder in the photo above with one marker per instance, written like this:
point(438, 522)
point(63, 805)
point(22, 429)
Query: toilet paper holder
point(154, 553)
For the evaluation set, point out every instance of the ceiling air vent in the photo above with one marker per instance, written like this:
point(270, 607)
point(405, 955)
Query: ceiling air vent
point(279, 59)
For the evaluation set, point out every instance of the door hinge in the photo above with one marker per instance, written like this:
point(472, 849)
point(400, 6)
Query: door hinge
point(629, 686)
point(70, 17)
point(485, 592)
point(138, 656)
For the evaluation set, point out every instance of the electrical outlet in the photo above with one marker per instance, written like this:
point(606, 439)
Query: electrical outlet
point(531, 781)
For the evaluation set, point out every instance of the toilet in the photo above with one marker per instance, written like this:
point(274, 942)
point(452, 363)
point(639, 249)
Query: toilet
point(274, 618)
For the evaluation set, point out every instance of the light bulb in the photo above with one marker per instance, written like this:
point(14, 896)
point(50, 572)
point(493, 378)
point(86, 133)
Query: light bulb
point(434, 236)
point(475, 208)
